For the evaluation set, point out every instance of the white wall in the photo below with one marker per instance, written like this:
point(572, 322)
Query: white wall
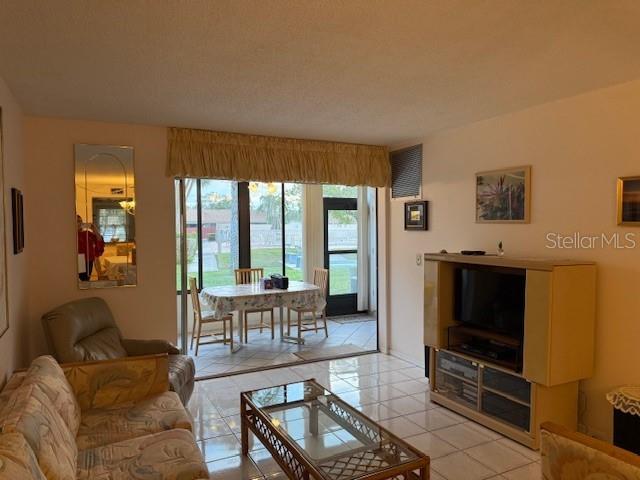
point(577, 148)
point(13, 354)
point(145, 311)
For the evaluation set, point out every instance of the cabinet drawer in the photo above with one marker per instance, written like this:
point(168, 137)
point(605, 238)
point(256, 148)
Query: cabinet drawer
point(511, 385)
point(506, 410)
point(457, 390)
point(457, 366)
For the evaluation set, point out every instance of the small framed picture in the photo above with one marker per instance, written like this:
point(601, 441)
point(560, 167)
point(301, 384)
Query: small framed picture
point(17, 211)
point(629, 201)
point(415, 215)
point(503, 196)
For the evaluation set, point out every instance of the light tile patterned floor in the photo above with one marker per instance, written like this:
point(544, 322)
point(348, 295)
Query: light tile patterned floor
point(358, 334)
point(390, 391)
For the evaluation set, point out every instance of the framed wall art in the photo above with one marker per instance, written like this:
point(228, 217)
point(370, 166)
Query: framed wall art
point(629, 201)
point(416, 215)
point(18, 220)
point(503, 196)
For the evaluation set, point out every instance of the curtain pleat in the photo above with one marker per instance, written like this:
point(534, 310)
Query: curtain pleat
point(208, 154)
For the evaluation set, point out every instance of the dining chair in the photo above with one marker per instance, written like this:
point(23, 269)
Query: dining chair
point(200, 317)
point(254, 275)
point(320, 279)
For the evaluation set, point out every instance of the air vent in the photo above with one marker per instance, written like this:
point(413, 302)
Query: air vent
point(406, 172)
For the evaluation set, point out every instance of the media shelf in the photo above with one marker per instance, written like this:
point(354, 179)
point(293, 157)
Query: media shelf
point(493, 347)
point(503, 396)
point(510, 383)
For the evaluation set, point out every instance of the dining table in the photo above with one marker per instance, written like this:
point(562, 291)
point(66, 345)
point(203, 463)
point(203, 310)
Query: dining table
point(117, 266)
point(226, 299)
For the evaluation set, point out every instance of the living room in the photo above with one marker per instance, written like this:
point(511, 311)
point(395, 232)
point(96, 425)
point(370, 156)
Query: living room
point(543, 95)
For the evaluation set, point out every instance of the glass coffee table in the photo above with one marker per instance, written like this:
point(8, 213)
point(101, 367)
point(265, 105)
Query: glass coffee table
point(313, 434)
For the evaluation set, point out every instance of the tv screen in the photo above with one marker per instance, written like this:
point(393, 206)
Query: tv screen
point(492, 299)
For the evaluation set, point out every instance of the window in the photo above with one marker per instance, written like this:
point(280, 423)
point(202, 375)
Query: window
point(339, 191)
point(266, 225)
point(219, 231)
point(212, 231)
point(238, 224)
point(293, 231)
point(112, 220)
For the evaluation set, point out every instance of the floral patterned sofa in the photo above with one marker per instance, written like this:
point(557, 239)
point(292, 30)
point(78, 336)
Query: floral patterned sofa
point(113, 419)
point(569, 455)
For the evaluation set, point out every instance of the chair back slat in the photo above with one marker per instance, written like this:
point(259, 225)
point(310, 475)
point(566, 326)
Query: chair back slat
point(321, 279)
point(248, 275)
point(195, 299)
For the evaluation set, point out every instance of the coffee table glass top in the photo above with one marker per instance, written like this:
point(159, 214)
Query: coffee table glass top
point(338, 440)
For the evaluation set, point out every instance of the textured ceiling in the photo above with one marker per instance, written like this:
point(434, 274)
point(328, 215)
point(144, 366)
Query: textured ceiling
point(372, 71)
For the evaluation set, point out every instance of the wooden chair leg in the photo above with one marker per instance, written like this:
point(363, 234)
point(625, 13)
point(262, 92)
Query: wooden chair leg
point(261, 320)
point(231, 332)
point(299, 326)
point(246, 327)
point(224, 331)
point(315, 321)
point(288, 322)
point(273, 330)
point(326, 330)
point(198, 339)
point(193, 330)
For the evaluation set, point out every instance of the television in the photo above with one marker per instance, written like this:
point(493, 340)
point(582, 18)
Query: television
point(491, 298)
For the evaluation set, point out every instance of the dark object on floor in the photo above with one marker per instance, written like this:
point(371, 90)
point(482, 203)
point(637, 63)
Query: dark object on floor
point(85, 330)
point(626, 431)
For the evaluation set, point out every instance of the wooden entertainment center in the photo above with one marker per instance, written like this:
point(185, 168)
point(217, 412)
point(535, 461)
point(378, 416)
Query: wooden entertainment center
point(512, 395)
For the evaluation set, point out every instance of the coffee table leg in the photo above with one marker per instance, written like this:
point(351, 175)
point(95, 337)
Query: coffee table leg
point(313, 420)
point(244, 428)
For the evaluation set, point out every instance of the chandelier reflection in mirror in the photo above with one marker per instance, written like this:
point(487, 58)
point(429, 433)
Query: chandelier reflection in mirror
point(105, 216)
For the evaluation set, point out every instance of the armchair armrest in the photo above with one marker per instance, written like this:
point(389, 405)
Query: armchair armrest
point(136, 348)
point(563, 450)
point(108, 383)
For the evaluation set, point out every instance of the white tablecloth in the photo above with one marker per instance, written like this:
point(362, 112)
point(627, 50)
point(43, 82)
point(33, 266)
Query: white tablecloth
point(229, 298)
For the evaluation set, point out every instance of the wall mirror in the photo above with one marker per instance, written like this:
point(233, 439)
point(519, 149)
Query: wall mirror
point(105, 216)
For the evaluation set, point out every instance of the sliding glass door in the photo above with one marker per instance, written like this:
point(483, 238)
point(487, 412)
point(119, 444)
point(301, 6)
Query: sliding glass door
point(341, 254)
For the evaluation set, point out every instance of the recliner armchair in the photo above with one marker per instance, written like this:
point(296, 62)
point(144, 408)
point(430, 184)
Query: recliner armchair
point(85, 330)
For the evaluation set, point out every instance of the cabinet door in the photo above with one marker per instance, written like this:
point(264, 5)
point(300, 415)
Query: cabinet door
point(509, 385)
point(506, 410)
point(457, 366)
point(456, 389)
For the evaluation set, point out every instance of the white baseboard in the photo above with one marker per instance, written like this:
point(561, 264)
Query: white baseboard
point(407, 358)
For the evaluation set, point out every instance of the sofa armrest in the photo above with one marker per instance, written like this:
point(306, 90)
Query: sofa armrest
point(136, 348)
point(107, 383)
point(563, 450)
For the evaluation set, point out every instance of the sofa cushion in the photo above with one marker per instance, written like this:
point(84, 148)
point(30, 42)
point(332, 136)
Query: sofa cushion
point(182, 371)
point(47, 375)
point(170, 455)
point(17, 460)
point(30, 412)
point(103, 426)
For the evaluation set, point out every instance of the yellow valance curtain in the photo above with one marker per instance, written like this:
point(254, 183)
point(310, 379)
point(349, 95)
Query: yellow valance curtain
point(232, 156)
